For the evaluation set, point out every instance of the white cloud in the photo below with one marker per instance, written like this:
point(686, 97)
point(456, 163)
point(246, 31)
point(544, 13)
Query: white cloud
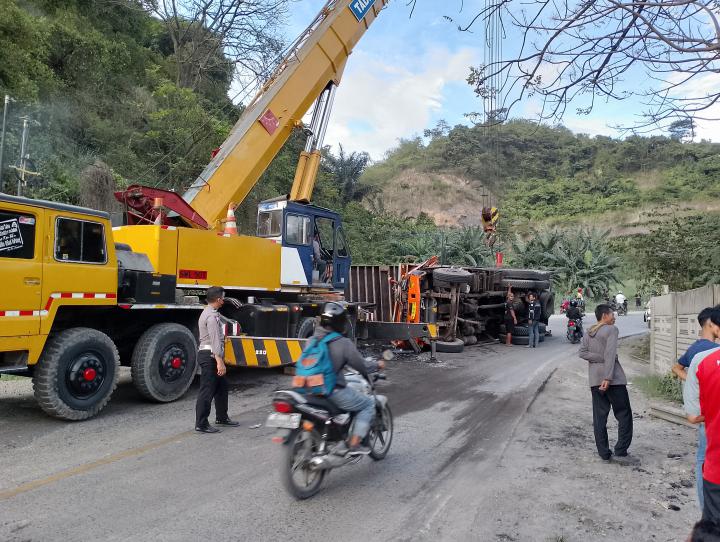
point(391, 99)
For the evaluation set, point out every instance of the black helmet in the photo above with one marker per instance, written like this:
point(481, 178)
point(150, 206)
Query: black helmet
point(573, 303)
point(334, 316)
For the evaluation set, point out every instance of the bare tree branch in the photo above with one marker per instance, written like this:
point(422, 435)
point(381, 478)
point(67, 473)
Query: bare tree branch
point(666, 53)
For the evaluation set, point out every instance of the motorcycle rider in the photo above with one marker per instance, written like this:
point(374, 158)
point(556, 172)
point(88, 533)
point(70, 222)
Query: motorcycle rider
point(574, 313)
point(334, 317)
point(621, 301)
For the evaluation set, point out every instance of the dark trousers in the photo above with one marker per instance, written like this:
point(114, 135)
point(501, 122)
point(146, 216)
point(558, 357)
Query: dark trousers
point(212, 387)
point(711, 501)
point(617, 398)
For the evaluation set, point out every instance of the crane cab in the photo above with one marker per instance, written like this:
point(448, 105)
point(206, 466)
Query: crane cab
point(314, 249)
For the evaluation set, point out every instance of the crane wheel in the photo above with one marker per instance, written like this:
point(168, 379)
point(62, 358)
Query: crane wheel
point(77, 374)
point(306, 328)
point(164, 362)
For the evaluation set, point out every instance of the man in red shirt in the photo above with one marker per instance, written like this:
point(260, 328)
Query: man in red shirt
point(701, 396)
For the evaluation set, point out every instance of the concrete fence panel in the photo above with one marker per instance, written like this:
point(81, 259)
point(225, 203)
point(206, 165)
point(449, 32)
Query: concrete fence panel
point(674, 324)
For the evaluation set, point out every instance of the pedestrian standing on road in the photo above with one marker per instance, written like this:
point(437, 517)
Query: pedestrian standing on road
point(638, 300)
point(705, 342)
point(510, 317)
point(701, 396)
point(608, 385)
point(534, 315)
point(211, 358)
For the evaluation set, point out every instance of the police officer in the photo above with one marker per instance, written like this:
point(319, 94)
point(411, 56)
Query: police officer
point(212, 365)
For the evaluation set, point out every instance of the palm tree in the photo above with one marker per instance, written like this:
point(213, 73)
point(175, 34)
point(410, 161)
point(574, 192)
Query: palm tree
point(467, 246)
point(582, 259)
point(346, 170)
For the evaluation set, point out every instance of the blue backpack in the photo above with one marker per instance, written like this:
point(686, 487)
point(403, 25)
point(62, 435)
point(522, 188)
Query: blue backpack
point(314, 371)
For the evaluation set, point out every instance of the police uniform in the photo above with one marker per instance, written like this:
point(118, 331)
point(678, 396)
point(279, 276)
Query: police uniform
point(212, 386)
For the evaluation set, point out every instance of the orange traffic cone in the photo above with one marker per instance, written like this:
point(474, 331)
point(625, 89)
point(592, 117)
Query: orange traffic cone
point(230, 224)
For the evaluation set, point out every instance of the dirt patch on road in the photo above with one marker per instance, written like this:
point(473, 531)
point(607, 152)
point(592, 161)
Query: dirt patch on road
point(561, 490)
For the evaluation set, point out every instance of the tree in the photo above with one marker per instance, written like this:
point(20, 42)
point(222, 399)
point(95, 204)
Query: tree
point(586, 49)
point(681, 254)
point(205, 34)
point(682, 129)
point(346, 170)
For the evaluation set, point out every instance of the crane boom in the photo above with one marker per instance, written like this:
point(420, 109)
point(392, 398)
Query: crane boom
point(314, 64)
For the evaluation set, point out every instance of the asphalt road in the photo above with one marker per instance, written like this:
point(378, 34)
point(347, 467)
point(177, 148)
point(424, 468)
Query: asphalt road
point(139, 472)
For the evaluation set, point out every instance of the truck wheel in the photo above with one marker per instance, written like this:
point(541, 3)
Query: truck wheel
point(450, 347)
point(452, 275)
point(528, 274)
point(77, 374)
point(526, 284)
point(163, 362)
point(306, 328)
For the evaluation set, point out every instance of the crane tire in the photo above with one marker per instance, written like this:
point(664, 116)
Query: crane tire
point(77, 374)
point(164, 362)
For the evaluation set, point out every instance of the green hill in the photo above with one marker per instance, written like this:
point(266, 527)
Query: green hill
point(549, 175)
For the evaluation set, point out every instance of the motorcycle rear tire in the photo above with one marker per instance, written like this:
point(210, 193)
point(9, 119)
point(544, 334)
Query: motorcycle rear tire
point(289, 482)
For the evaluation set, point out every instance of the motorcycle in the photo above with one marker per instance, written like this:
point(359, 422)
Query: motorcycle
point(622, 309)
point(574, 330)
point(315, 427)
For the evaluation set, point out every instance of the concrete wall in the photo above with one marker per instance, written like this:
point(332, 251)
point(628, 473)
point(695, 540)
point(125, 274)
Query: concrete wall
point(674, 324)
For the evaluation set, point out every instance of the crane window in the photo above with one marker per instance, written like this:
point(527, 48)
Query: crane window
point(341, 244)
point(79, 241)
point(17, 235)
point(325, 229)
point(270, 223)
point(298, 230)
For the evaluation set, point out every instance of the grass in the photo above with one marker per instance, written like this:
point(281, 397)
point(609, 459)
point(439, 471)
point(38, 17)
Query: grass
point(666, 387)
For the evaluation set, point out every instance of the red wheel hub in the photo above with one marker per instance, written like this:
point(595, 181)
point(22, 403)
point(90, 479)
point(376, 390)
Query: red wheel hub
point(176, 363)
point(89, 374)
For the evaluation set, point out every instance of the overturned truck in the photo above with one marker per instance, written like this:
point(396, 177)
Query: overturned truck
point(466, 303)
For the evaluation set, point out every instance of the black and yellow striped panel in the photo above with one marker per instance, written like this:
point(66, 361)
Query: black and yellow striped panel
point(262, 352)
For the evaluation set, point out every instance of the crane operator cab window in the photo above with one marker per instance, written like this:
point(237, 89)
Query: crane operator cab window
point(270, 223)
point(324, 248)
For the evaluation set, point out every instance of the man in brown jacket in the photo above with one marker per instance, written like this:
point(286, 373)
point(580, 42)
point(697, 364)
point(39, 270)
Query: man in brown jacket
point(608, 384)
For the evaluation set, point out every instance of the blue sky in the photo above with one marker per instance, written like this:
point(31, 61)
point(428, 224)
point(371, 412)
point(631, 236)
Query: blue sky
point(410, 72)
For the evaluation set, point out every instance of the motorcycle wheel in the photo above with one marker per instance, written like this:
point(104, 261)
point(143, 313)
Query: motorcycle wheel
point(381, 434)
point(298, 479)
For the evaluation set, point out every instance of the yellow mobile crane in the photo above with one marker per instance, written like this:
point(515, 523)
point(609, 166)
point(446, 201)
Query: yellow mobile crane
point(81, 297)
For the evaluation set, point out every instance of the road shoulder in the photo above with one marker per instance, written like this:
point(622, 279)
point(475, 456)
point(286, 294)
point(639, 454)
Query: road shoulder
point(559, 489)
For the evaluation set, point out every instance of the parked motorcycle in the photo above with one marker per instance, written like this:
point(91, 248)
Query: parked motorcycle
point(315, 426)
point(574, 330)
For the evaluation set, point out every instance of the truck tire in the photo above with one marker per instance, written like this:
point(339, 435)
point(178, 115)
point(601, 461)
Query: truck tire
point(526, 284)
point(77, 374)
point(520, 340)
point(450, 347)
point(306, 328)
point(164, 362)
point(528, 274)
point(521, 331)
point(452, 275)
point(547, 302)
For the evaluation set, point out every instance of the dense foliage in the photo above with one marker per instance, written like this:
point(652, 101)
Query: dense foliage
point(541, 171)
point(100, 81)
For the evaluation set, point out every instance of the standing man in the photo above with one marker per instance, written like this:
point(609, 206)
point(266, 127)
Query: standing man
point(211, 357)
point(705, 342)
point(510, 317)
point(701, 396)
point(608, 384)
point(534, 315)
point(638, 300)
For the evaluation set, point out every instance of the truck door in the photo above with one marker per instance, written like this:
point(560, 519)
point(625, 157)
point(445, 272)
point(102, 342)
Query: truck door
point(20, 269)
